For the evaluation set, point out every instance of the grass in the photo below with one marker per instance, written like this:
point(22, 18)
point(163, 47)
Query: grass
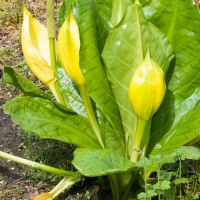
point(45, 151)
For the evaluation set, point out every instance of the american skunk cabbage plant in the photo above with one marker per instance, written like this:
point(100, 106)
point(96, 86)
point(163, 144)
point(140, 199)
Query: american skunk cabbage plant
point(125, 80)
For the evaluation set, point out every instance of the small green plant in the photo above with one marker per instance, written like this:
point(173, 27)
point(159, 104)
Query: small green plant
point(123, 91)
point(87, 195)
point(79, 196)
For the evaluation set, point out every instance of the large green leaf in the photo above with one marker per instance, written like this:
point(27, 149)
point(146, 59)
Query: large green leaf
point(75, 102)
point(96, 81)
point(87, 16)
point(101, 162)
point(26, 86)
point(124, 50)
point(105, 8)
point(178, 120)
point(43, 118)
point(12, 77)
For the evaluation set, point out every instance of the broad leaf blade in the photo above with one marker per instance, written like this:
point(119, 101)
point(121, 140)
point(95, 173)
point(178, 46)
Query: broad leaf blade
point(26, 86)
point(12, 77)
point(124, 50)
point(70, 92)
point(42, 117)
point(178, 120)
point(102, 162)
point(88, 18)
point(90, 63)
point(105, 8)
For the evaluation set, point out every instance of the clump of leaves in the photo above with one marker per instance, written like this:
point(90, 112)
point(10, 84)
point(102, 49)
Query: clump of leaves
point(101, 47)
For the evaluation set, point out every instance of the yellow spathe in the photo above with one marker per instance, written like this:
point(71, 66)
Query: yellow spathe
point(68, 49)
point(35, 47)
point(147, 88)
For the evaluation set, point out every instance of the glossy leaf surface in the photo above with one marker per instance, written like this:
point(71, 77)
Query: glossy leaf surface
point(124, 50)
point(178, 120)
point(43, 118)
point(102, 162)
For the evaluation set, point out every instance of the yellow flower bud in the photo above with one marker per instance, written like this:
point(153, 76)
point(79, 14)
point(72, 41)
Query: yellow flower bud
point(68, 49)
point(147, 88)
point(35, 46)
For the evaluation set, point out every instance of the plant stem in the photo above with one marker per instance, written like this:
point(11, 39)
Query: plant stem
point(52, 53)
point(63, 184)
point(91, 115)
point(36, 165)
point(128, 187)
point(158, 176)
point(141, 139)
point(52, 34)
point(114, 183)
point(180, 174)
point(53, 65)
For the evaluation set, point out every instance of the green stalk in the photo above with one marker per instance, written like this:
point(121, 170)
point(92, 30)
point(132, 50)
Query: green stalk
point(64, 184)
point(114, 183)
point(53, 65)
point(91, 115)
point(36, 165)
point(180, 174)
point(128, 187)
point(52, 34)
point(141, 139)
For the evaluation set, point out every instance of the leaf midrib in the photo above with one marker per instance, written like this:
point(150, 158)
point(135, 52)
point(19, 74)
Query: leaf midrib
point(173, 22)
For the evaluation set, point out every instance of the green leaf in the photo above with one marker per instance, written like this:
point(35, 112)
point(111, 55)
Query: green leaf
point(101, 162)
point(125, 48)
point(70, 92)
point(97, 83)
point(110, 138)
point(119, 7)
point(12, 77)
point(147, 195)
point(64, 10)
point(170, 194)
point(92, 41)
point(181, 181)
point(178, 120)
point(105, 8)
point(45, 119)
point(74, 101)
point(187, 152)
point(155, 162)
point(162, 185)
point(26, 86)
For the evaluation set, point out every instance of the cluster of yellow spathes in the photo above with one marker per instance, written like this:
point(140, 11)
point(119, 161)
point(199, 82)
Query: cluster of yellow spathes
point(36, 50)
